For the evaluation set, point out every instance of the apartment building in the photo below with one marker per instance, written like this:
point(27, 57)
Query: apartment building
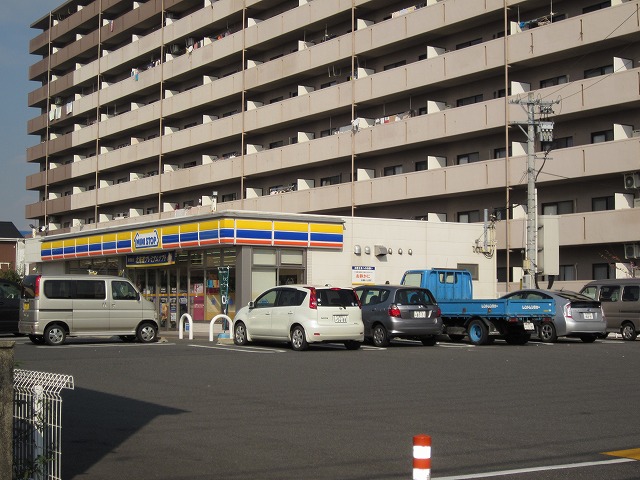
point(154, 109)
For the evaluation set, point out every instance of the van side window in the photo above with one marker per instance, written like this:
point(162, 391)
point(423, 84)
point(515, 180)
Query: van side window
point(121, 290)
point(90, 289)
point(631, 293)
point(609, 293)
point(59, 289)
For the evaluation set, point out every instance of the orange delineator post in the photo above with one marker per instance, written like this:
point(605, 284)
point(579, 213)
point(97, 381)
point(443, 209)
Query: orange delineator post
point(421, 457)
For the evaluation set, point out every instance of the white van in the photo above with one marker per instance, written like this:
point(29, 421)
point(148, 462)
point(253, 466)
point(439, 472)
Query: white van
point(55, 307)
point(620, 300)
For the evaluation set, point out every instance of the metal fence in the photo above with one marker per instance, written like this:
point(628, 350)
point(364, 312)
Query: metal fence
point(37, 424)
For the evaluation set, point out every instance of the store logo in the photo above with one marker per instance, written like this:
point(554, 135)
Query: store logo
point(147, 240)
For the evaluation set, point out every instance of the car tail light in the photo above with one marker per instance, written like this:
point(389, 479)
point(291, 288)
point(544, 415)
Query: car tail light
point(438, 312)
point(313, 299)
point(567, 311)
point(394, 311)
point(36, 287)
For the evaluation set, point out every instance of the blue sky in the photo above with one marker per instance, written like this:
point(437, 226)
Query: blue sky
point(15, 34)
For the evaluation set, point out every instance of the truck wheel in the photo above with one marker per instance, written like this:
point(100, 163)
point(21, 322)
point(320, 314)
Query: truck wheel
point(628, 331)
point(547, 332)
point(478, 332)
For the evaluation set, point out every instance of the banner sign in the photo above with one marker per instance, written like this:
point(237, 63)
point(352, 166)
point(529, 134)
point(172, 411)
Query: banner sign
point(151, 260)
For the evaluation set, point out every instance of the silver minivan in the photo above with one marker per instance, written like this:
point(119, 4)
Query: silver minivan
point(620, 300)
point(59, 306)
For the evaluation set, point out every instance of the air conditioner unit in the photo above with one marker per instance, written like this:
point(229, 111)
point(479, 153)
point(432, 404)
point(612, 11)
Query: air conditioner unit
point(631, 251)
point(632, 181)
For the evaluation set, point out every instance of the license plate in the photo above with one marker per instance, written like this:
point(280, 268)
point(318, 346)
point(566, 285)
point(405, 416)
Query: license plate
point(528, 326)
point(420, 314)
point(588, 316)
point(25, 306)
point(340, 318)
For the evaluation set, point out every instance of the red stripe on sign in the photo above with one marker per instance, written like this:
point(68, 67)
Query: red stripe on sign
point(422, 440)
point(423, 463)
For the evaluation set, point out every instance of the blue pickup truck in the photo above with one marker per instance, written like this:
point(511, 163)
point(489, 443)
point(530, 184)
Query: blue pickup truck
point(481, 319)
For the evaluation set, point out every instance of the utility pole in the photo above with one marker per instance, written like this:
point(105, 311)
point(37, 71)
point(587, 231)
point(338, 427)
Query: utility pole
point(545, 131)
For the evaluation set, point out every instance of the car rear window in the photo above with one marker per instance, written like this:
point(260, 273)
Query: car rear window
point(414, 297)
point(342, 297)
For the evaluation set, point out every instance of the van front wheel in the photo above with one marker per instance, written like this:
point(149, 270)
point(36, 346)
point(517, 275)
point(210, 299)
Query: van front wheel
point(54, 335)
point(147, 333)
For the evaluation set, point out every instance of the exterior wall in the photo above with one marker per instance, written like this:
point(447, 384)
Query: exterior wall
point(304, 108)
point(432, 245)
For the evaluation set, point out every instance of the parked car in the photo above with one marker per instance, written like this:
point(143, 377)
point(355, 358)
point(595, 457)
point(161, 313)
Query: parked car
point(576, 315)
point(620, 302)
point(399, 311)
point(9, 307)
point(302, 314)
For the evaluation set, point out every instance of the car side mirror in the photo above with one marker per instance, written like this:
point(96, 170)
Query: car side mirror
point(251, 304)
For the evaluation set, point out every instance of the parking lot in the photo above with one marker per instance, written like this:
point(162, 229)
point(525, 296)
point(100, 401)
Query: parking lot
point(194, 409)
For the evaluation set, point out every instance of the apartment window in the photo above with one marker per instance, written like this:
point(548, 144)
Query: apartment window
point(469, 217)
point(328, 84)
point(189, 125)
point(422, 57)
point(551, 82)
point(275, 189)
point(461, 102)
point(230, 155)
point(603, 136)
point(597, 6)
point(557, 208)
point(276, 100)
point(470, 43)
point(468, 158)
point(90, 220)
point(601, 271)
point(333, 180)
point(122, 180)
point(152, 210)
point(277, 144)
point(152, 136)
point(328, 132)
point(187, 204)
point(66, 225)
point(599, 204)
point(500, 93)
point(421, 165)
point(395, 65)
point(228, 114)
point(567, 273)
point(229, 197)
point(500, 152)
point(562, 142)
point(67, 193)
point(152, 173)
point(394, 170)
point(598, 71)
point(293, 140)
point(277, 56)
point(91, 187)
point(189, 164)
point(422, 111)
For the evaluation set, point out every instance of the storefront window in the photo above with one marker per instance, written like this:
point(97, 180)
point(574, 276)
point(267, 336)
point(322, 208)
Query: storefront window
point(264, 256)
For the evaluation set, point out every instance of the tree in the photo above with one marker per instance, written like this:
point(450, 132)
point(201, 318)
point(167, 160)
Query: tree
point(11, 275)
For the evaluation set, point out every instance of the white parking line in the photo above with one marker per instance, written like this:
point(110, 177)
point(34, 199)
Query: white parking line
point(242, 349)
point(105, 345)
point(536, 469)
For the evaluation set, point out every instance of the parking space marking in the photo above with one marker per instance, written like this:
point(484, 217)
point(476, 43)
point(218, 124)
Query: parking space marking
point(632, 453)
point(242, 349)
point(106, 345)
point(536, 469)
point(456, 345)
